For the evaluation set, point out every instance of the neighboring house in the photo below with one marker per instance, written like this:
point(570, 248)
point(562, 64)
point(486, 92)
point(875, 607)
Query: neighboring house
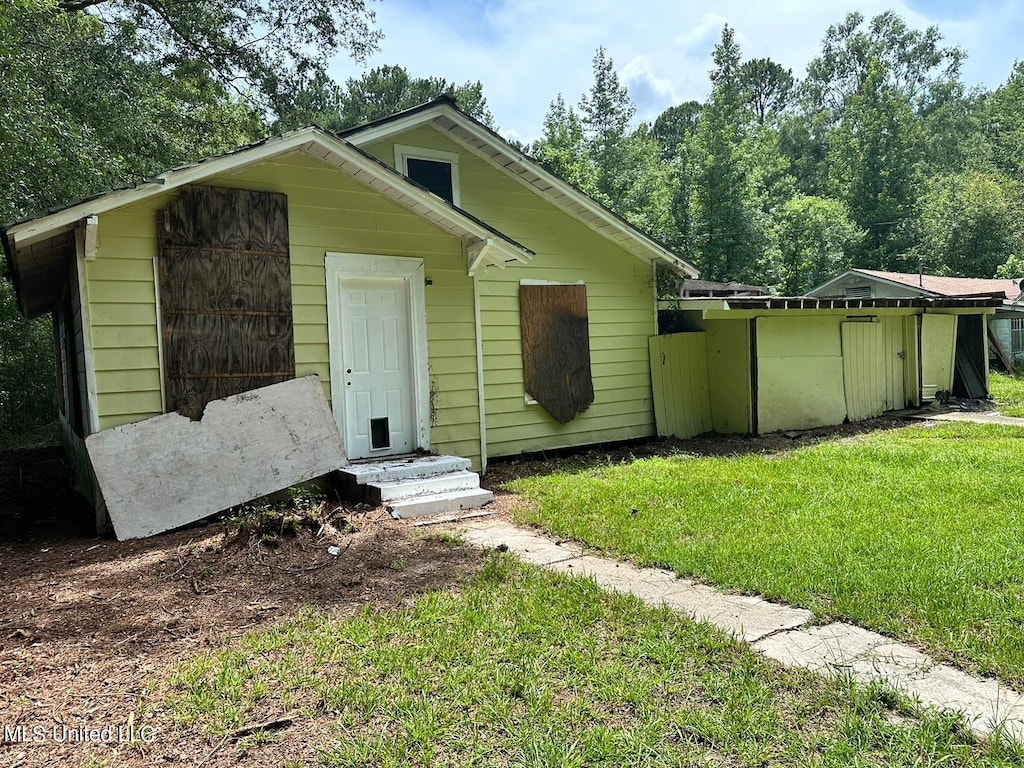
point(451, 294)
point(1006, 327)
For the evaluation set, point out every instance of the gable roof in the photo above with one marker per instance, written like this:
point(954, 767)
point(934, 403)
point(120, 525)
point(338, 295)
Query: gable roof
point(932, 285)
point(444, 115)
point(38, 247)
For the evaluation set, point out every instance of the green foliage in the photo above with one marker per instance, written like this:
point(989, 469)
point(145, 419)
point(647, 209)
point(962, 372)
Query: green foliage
point(560, 147)
point(379, 93)
point(900, 59)
point(1004, 123)
point(27, 383)
point(970, 224)
point(814, 240)
point(874, 166)
point(769, 88)
point(727, 228)
point(264, 50)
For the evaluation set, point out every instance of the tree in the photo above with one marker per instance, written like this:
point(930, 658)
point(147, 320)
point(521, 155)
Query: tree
point(728, 239)
point(605, 111)
point(814, 240)
point(561, 146)
point(265, 50)
point(383, 91)
point(1004, 113)
point(674, 126)
point(874, 166)
point(911, 60)
point(970, 224)
point(769, 88)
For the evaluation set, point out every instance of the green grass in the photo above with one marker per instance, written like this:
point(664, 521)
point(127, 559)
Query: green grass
point(521, 667)
point(1008, 393)
point(916, 532)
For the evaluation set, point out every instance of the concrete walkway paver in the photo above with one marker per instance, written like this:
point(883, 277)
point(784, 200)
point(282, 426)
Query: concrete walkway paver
point(978, 417)
point(779, 632)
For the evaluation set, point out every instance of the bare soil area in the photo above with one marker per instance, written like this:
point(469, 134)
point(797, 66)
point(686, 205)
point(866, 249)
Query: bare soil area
point(91, 628)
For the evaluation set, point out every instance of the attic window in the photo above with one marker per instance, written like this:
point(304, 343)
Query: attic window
point(858, 292)
point(433, 169)
point(556, 348)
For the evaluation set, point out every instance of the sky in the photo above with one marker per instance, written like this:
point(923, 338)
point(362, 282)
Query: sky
point(526, 52)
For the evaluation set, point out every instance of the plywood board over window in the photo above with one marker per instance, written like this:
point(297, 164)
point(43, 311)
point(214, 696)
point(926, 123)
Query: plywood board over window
point(225, 295)
point(556, 348)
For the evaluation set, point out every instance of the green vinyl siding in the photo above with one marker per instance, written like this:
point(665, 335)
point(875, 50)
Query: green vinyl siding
point(327, 211)
point(620, 309)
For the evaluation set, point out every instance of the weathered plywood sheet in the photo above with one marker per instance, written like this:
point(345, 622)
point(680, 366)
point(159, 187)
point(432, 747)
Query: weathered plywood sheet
point(799, 373)
point(168, 471)
point(556, 348)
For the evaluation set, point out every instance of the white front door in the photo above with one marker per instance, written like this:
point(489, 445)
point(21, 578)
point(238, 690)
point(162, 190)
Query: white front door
point(377, 365)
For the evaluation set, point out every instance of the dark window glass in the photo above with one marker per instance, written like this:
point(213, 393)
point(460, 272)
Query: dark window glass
point(435, 175)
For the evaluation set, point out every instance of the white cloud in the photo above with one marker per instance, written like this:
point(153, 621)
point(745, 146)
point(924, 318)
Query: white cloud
point(525, 52)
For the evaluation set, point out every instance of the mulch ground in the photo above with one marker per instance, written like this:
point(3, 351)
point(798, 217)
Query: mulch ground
point(91, 628)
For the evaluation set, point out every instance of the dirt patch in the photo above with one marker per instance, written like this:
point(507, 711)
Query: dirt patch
point(91, 628)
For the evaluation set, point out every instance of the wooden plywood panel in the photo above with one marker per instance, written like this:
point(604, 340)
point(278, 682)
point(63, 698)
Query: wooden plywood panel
point(728, 344)
point(799, 373)
point(864, 370)
point(556, 348)
point(225, 295)
point(938, 347)
point(169, 471)
point(679, 373)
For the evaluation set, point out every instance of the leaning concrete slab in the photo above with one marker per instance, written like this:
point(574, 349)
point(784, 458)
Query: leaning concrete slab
point(168, 471)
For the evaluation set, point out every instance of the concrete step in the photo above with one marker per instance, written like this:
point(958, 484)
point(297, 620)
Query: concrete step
point(440, 503)
point(391, 470)
point(419, 486)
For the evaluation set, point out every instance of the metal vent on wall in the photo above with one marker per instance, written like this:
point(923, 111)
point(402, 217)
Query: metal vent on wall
point(858, 292)
point(380, 434)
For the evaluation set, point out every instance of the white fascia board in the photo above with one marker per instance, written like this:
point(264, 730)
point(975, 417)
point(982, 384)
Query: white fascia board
point(44, 227)
point(394, 127)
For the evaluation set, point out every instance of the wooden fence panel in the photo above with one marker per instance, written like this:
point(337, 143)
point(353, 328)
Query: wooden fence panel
point(679, 380)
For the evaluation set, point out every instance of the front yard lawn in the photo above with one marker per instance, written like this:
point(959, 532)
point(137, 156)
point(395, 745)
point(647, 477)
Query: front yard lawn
point(915, 532)
point(520, 667)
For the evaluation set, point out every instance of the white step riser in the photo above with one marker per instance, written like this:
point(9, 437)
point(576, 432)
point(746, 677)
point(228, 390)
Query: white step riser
point(393, 471)
point(447, 483)
point(440, 504)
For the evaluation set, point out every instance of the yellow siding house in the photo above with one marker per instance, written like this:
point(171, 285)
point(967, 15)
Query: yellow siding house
point(451, 294)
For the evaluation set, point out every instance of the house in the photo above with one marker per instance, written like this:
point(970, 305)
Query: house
point(1006, 326)
point(450, 293)
point(758, 364)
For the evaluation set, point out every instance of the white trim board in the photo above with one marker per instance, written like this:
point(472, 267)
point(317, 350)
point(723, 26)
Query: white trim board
point(405, 152)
